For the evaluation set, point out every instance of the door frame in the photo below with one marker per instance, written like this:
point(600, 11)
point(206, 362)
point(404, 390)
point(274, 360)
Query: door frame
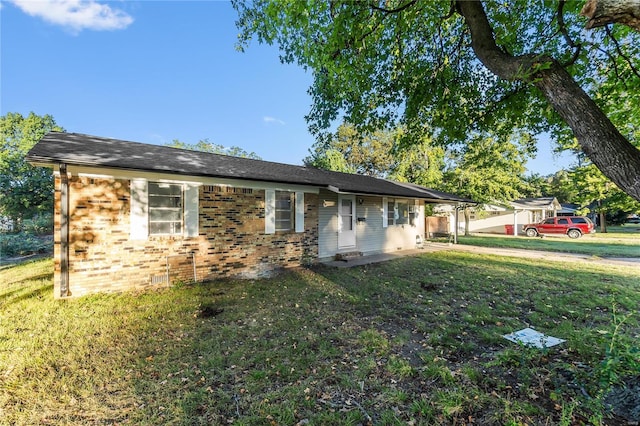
point(347, 239)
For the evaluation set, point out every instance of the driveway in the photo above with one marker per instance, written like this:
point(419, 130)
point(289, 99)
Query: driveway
point(529, 254)
point(548, 255)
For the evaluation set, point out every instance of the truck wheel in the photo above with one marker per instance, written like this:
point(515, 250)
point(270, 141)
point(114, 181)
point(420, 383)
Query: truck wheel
point(574, 233)
point(531, 232)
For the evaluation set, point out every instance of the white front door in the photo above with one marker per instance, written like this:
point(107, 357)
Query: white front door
point(346, 221)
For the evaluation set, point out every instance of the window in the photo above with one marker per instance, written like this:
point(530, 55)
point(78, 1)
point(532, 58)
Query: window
point(165, 208)
point(550, 221)
point(284, 210)
point(397, 212)
point(563, 221)
point(403, 212)
point(346, 213)
point(414, 214)
point(391, 212)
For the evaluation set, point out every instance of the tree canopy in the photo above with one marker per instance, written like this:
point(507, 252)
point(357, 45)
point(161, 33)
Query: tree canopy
point(24, 190)
point(350, 151)
point(487, 170)
point(204, 145)
point(378, 154)
point(452, 69)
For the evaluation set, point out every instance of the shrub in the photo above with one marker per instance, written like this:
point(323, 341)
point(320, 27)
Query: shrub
point(23, 244)
point(41, 224)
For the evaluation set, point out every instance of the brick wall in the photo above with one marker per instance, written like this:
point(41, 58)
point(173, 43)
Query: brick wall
point(231, 239)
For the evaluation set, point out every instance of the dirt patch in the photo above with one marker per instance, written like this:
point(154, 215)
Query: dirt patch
point(625, 400)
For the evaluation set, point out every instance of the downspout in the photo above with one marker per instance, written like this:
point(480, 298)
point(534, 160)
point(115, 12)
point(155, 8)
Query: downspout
point(64, 231)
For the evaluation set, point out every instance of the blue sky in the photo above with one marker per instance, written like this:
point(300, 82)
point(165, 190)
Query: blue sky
point(154, 71)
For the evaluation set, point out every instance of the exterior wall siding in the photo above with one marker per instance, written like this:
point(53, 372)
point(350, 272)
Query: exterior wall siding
point(327, 224)
point(403, 237)
point(231, 240)
point(371, 236)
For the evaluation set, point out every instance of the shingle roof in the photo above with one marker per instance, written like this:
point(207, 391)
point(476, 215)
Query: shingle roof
point(85, 150)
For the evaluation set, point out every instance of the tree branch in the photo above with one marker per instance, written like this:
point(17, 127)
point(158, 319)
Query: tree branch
point(600, 140)
point(391, 11)
point(613, 64)
point(563, 29)
point(484, 45)
point(622, 55)
point(604, 12)
point(452, 11)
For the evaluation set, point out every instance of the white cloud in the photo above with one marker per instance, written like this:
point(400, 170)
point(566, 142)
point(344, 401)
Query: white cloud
point(268, 120)
point(76, 15)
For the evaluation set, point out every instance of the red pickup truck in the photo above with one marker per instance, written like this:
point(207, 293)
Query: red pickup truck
point(573, 226)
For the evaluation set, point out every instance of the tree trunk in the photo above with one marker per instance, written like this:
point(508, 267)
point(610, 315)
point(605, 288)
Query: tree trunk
point(467, 219)
point(604, 12)
point(603, 218)
point(599, 139)
point(603, 222)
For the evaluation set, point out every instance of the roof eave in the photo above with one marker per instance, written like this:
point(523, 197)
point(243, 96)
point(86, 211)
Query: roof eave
point(51, 163)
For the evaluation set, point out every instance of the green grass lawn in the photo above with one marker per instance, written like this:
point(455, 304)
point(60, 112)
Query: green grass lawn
point(415, 341)
point(618, 242)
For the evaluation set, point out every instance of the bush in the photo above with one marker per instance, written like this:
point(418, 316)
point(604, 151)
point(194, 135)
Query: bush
point(617, 217)
point(23, 244)
point(41, 224)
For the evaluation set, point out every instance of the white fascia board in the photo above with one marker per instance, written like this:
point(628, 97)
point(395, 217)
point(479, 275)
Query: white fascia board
point(104, 172)
point(45, 165)
point(494, 208)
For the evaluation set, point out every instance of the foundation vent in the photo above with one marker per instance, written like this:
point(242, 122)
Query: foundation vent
point(159, 279)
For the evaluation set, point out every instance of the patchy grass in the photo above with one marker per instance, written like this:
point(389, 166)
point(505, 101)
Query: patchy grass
point(619, 242)
point(415, 340)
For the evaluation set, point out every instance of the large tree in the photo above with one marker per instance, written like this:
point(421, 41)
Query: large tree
point(597, 194)
point(488, 170)
point(379, 154)
point(364, 153)
point(204, 145)
point(454, 68)
point(559, 185)
point(25, 191)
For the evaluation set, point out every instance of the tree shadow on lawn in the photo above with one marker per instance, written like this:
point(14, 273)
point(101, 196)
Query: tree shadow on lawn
point(19, 295)
point(413, 339)
point(463, 304)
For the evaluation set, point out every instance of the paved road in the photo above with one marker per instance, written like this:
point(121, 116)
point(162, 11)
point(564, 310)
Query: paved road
point(529, 254)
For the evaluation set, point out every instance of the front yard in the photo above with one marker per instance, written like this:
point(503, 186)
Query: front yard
point(621, 241)
point(411, 341)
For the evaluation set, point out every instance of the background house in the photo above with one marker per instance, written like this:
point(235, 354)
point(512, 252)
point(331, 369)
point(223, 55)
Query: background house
point(130, 215)
point(6, 224)
point(568, 209)
point(498, 219)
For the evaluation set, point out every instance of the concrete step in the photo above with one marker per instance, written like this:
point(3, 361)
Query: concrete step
point(345, 257)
